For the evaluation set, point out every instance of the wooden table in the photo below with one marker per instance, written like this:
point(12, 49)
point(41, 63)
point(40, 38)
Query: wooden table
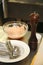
point(38, 59)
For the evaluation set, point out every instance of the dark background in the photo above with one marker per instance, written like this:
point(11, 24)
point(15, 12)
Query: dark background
point(21, 11)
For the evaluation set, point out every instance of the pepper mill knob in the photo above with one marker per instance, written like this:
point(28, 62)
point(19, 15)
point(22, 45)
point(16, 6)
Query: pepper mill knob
point(34, 17)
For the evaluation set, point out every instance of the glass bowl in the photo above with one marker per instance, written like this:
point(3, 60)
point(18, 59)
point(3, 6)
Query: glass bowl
point(15, 29)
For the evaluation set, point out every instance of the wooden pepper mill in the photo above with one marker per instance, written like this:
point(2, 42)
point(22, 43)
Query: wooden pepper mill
point(33, 42)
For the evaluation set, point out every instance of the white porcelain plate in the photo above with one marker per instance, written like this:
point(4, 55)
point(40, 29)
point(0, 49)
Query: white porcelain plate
point(39, 37)
point(24, 52)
